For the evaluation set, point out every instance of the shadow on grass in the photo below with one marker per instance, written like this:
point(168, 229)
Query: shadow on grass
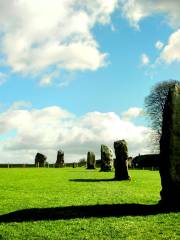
point(91, 180)
point(72, 212)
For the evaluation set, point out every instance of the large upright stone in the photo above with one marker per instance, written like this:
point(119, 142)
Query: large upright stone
point(106, 158)
point(120, 162)
point(91, 162)
point(170, 150)
point(40, 160)
point(60, 159)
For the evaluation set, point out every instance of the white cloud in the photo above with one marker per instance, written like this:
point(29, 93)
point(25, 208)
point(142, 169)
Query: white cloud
point(3, 77)
point(133, 112)
point(35, 34)
point(171, 52)
point(136, 10)
point(46, 81)
point(144, 59)
point(20, 104)
point(48, 129)
point(159, 45)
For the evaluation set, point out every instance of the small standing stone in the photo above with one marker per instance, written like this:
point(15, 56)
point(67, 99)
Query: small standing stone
point(40, 160)
point(120, 162)
point(106, 158)
point(170, 150)
point(91, 162)
point(60, 159)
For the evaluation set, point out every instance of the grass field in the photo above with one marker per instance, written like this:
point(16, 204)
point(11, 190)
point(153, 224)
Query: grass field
point(82, 204)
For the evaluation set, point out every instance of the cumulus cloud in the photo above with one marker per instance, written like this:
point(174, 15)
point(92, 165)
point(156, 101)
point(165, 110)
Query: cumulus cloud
point(133, 112)
point(136, 10)
point(171, 52)
point(34, 35)
point(159, 45)
point(48, 129)
point(144, 59)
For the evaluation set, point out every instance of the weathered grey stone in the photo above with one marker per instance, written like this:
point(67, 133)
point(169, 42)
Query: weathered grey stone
point(60, 159)
point(40, 160)
point(106, 158)
point(170, 149)
point(91, 162)
point(120, 162)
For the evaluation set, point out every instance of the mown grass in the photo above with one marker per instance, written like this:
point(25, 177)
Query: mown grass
point(50, 188)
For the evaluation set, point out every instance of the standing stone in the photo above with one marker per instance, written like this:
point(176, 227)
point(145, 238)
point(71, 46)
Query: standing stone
point(170, 150)
point(40, 160)
point(91, 162)
point(106, 158)
point(120, 162)
point(60, 159)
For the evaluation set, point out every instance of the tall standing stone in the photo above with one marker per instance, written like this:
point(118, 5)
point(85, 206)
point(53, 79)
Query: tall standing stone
point(170, 149)
point(40, 160)
point(120, 162)
point(91, 162)
point(60, 159)
point(106, 158)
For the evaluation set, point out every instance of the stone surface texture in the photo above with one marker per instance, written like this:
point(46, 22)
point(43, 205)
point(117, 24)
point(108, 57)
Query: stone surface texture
point(120, 162)
point(91, 162)
point(40, 160)
point(106, 158)
point(170, 149)
point(60, 159)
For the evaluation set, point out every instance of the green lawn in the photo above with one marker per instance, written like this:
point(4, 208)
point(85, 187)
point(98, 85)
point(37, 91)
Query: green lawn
point(54, 190)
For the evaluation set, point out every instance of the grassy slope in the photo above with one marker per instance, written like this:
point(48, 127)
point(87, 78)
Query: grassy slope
point(46, 188)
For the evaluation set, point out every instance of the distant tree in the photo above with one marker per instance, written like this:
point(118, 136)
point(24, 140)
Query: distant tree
point(82, 162)
point(154, 106)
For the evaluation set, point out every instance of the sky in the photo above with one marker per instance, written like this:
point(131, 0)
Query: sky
point(74, 74)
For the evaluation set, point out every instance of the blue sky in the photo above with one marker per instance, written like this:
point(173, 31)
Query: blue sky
point(74, 74)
